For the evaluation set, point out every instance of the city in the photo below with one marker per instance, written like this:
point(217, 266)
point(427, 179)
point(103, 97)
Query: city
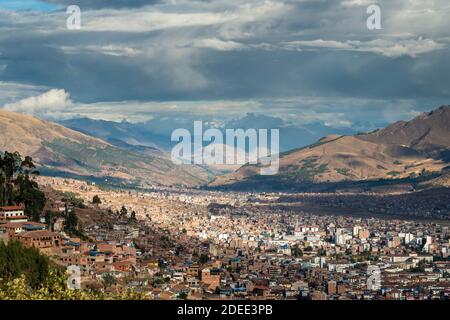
point(174, 244)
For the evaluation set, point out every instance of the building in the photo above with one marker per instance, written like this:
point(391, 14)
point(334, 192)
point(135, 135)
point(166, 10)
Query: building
point(332, 287)
point(40, 239)
point(14, 228)
point(340, 236)
point(363, 234)
point(12, 214)
point(207, 277)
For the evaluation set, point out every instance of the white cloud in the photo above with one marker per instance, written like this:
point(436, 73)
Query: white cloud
point(48, 102)
point(217, 44)
point(174, 15)
point(319, 43)
point(386, 47)
point(116, 50)
point(357, 3)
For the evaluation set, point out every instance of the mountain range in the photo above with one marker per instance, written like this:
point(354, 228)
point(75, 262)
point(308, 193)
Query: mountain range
point(60, 151)
point(157, 132)
point(416, 150)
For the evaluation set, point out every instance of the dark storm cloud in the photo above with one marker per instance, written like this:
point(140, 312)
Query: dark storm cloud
point(280, 57)
point(101, 4)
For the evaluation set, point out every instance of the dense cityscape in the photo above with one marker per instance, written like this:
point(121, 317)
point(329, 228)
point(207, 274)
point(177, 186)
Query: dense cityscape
point(179, 244)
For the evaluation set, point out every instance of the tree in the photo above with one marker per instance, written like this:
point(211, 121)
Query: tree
point(49, 219)
point(204, 258)
point(72, 199)
point(16, 260)
point(96, 200)
point(133, 216)
point(28, 193)
point(182, 295)
point(296, 251)
point(109, 280)
point(11, 165)
point(123, 212)
point(71, 223)
point(17, 185)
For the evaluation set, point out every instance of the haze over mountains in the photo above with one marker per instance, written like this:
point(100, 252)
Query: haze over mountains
point(58, 150)
point(157, 132)
point(404, 150)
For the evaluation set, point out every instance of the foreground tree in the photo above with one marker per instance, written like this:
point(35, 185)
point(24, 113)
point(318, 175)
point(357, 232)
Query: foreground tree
point(17, 185)
point(16, 260)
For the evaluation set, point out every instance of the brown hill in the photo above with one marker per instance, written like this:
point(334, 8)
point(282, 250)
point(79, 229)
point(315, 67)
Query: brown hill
point(65, 152)
point(427, 134)
point(402, 150)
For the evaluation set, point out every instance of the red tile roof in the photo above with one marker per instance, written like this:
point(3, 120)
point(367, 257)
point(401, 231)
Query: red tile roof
point(11, 208)
point(37, 234)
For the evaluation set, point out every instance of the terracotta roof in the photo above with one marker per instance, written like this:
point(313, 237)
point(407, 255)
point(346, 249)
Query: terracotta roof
point(21, 224)
point(39, 233)
point(11, 208)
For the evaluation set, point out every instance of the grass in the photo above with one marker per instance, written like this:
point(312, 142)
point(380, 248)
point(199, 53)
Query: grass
point(307, 170)
point(344, 171)
point(93, 157)
point(316, 144)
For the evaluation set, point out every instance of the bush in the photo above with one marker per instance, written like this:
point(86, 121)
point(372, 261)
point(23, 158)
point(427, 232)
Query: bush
point(96, 200)
point(17, 260)
point(56, 289)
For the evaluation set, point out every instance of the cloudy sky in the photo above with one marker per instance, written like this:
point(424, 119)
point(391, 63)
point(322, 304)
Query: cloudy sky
point(300, 60)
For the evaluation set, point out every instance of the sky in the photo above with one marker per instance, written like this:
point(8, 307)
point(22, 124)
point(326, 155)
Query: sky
point(303, 61)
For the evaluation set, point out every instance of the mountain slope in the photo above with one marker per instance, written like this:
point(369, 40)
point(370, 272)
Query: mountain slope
point(427, 134)
point(122, 134)
point(401, 150)
point(151, 133)
point(59, 150)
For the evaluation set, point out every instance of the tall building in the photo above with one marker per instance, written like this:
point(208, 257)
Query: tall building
point(332, 287)
point(363, 234)
point(340, 236)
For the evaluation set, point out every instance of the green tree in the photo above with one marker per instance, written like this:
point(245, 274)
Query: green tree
point(96, 200)
point(49, 219)
point(182, 295)
point(296, 251)
point(16, 260)
point(133, 216)
point(10, 166)
point(17, 185)
point(109, 280)
point(204, 258)
point(28, 194)
point(71, 223)
point(123, 212)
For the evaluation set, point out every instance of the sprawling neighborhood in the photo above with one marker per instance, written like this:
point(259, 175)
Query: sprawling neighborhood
point(170, 243)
